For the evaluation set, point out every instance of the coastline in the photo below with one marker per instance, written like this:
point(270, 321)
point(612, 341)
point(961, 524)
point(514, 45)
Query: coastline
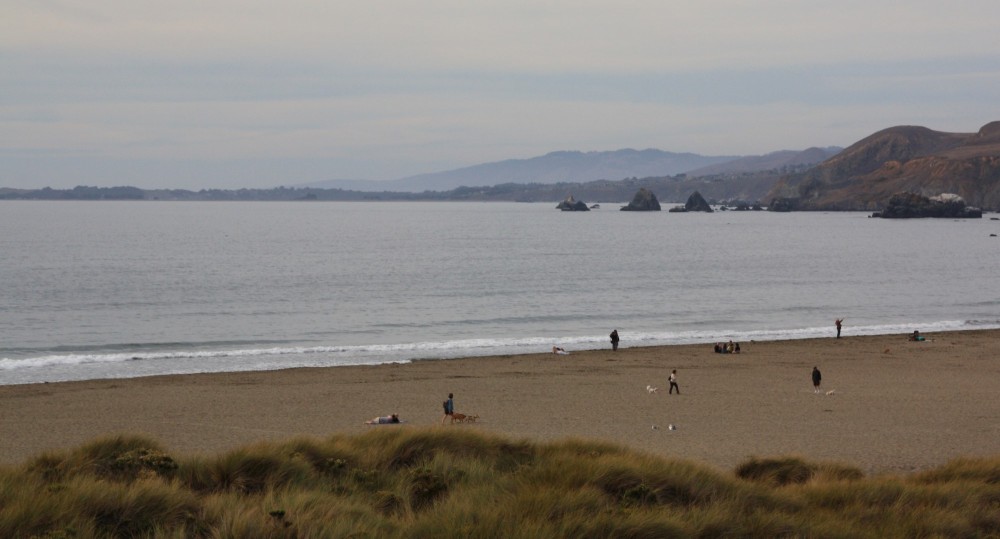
point(897, 406)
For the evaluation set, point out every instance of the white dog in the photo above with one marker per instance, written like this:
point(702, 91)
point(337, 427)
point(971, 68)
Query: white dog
point(831, 392)
point(651, 389)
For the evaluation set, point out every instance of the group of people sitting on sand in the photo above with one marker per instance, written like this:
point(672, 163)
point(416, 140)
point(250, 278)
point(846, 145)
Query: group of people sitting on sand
point(727, 348)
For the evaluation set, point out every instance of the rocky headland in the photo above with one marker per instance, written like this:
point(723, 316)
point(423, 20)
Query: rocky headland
point(904, 159)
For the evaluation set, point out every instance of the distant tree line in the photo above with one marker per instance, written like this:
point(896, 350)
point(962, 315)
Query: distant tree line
point(79, 192)
point(749, 186)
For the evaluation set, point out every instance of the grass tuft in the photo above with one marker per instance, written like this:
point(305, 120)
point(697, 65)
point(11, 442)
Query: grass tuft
point(244, 471)
point(964, 469)
point(779, 472)
point(425, 486)
point(115, 458)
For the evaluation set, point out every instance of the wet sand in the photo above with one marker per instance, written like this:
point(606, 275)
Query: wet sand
point(896, 406)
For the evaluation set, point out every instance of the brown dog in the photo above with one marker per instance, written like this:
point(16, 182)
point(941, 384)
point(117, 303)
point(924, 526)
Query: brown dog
point(458, 418)
point(472, 418)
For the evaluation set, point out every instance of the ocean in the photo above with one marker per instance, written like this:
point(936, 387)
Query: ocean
point(96, 290)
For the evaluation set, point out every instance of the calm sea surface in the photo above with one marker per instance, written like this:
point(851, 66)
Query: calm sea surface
point(124, 289)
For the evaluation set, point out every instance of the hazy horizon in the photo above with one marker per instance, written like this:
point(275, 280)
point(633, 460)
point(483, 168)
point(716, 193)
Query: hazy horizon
point(254, 94)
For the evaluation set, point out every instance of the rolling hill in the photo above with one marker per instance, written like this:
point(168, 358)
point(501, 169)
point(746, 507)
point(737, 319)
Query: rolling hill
point(900, 159)
point(583, 167)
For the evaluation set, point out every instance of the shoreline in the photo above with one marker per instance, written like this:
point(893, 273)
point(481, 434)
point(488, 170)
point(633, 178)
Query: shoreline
point(896, 406)
point(117, 365)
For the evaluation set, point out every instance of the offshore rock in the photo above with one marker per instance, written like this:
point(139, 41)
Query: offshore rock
point(783, 204)
point(696, 202)
point(644, 200)
point(912, 205)
point(571, 204)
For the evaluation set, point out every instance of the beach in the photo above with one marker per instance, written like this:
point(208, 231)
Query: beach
point(885, 405)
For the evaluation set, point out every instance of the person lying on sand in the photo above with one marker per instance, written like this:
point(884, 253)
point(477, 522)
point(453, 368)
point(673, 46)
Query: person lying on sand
point(559, 351)
point(383, 420)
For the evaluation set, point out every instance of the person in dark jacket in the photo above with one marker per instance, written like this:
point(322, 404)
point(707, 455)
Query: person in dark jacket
point(817, 378)
point(614, 340)
point(449, 407)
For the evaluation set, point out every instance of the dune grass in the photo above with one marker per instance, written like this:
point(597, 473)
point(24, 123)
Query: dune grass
point(438, 482)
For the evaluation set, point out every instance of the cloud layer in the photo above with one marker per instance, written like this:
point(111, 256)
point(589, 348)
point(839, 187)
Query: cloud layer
point(252, 93)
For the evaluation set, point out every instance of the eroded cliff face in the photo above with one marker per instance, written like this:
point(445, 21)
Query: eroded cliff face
point(901, 159)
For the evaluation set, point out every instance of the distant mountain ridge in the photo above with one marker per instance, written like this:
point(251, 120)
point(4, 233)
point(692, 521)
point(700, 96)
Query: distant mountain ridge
point(862, 177)
point(746, 178)
point(581, 167)
point(567, 166)
point(553, 167)
point(771, 161)
point(901, 159)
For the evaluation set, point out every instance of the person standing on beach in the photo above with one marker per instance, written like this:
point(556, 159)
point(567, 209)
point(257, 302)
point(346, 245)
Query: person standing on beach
point(449, 407)
point(673, 382)
point(838, 322)
point(817, 378)
point(614, 339)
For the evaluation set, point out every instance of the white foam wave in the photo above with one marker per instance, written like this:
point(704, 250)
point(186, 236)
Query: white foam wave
point(263, 358)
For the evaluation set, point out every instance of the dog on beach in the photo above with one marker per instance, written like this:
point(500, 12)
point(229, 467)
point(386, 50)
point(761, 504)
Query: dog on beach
point(651, 389)
point(458, 418)
point(472, 418)
point(831, 392)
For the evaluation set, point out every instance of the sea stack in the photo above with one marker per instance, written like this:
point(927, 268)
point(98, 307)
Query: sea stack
point(571, 204)
point(644, 200)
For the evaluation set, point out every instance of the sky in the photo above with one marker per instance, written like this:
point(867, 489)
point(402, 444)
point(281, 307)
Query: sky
point(229, 94)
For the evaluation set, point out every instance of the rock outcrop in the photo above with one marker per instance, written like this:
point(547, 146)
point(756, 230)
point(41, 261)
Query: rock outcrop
point(644, 200)
point(910, 205)
point(783, 204)
point(696, 202)
point(571, 204)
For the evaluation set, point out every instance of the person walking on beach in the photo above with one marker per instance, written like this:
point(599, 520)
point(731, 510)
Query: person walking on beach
point(838, 322)
point(817, 378)
point(673, 382)
point(614, 339)
point(449, 408)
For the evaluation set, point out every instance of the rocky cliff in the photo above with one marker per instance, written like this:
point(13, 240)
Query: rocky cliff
point(900, 159)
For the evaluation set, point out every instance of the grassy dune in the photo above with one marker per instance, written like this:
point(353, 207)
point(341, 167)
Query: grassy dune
point(408, 482)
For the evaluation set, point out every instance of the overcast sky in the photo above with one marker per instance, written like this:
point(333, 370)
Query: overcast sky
point(246, 93)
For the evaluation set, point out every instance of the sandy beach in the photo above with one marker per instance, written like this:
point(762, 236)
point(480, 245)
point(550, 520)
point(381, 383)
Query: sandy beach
point(896, 406)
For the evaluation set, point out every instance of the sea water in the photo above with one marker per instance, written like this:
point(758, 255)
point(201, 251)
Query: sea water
point(124, 289)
